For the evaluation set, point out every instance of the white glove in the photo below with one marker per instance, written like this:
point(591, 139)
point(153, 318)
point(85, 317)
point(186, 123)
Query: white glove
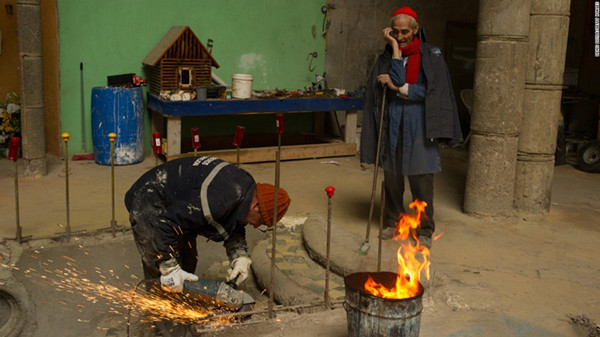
point(240, 269)
point(173, 276)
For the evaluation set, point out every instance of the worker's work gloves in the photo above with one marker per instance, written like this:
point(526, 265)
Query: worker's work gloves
point(239, 269)
point(173, 276)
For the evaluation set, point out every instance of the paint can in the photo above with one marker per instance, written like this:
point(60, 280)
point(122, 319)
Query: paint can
point(120, 111)
point(241, 85)
point(201, 93)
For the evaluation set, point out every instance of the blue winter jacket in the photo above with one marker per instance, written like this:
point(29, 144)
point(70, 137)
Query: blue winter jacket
point(441, 114)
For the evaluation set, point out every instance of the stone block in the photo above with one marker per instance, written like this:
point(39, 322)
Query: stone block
point(490, 181)
point(561, 7)
point(541, 113)
point(33, 129)
point(507, 18)
point(29, 29)
point(547, 49)
point(498, 87)
point(29, 2)
point(35, 167)
point(32, 82)
point(533, 184)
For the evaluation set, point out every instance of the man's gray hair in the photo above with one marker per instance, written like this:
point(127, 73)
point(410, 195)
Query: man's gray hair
point(413, 22)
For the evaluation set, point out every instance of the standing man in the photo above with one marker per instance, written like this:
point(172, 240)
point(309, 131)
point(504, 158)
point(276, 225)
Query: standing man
point(173, 203)
point(420, 109)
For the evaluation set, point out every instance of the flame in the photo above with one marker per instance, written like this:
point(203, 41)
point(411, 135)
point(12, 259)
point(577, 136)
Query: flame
point(413, 259)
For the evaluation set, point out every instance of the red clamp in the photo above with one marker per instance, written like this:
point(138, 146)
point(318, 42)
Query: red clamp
point(279, 123)
point(239, 133)
point(195, 138)
point(156, 143)
point(13, 149)
point(330, 190)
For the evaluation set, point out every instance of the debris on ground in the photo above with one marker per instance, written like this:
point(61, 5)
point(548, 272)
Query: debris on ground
point(584, 322)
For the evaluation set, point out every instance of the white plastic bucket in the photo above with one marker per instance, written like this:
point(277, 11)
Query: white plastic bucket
point(241, 85)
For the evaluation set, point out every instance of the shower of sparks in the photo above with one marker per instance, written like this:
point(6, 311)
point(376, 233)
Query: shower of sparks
point(123, 298)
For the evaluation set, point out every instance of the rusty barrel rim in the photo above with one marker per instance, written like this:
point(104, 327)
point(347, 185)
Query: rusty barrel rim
point(357, 280)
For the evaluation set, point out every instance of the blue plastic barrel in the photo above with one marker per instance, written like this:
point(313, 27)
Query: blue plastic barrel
point(118, 110)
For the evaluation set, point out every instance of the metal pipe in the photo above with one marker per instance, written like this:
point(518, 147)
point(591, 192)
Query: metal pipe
point(65, 137)
point(113, 223)
point(330, 190)
point(275, 308)
point(19, 229)
point(279, 128)
point(365, 247)
point(381, 216)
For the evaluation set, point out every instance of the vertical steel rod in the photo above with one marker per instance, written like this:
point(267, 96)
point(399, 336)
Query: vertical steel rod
point(381, 216)
point(113, 222)
point(81, 91)
point(329, 190)
point(274, 244)
point(279, 128)
point(65, 137)
point(19, 229)
point(376, 168)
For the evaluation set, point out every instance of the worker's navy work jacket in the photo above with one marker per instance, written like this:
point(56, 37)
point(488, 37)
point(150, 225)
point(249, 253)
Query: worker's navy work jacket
point(193, 196)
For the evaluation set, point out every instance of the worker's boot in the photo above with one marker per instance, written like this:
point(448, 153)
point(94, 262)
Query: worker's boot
point(388, 233)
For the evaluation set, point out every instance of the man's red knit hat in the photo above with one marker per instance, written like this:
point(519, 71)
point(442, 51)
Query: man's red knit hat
point(265, 193)
point(405, 10)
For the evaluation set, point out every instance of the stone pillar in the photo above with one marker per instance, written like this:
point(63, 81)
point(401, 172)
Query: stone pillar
point(33, 130)
point(500, 68)
point(549, 30)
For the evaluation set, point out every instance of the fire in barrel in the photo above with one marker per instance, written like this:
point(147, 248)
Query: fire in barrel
point(386, 303)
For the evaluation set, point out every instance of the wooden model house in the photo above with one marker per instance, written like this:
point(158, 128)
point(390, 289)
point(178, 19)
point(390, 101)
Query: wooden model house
point(179, 62)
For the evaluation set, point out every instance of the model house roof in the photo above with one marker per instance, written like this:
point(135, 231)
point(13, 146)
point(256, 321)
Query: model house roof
point(179, 42)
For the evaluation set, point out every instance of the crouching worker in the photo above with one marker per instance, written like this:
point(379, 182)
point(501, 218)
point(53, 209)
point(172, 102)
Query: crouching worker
point(173, 203)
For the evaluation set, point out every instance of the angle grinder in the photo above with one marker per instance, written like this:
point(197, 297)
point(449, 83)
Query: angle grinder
point(210, 293)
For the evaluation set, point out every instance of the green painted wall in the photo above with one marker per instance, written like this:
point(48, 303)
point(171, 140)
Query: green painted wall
point(269, 39)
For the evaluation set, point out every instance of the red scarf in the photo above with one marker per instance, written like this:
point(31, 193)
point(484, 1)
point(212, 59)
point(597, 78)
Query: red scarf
point(413, 51)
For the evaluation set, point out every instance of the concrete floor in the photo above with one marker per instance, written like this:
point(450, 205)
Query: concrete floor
point(519, 276)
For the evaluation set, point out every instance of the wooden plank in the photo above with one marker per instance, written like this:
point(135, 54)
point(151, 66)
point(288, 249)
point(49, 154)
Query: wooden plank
point(174, 135)
point(288, 152)
point(350, 127)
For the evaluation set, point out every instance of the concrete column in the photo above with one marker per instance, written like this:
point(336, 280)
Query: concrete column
point(500, 67)
point(33, 130)
point(549, 30)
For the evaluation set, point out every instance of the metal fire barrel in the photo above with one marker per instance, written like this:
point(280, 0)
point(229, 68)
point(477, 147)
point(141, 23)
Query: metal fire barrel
point(369, 315)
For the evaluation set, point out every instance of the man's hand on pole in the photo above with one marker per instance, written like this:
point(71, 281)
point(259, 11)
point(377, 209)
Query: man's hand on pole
point(239, 270)
point(173, 276)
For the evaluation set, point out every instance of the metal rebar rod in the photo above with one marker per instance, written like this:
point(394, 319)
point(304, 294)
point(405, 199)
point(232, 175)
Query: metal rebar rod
point(275, 308)
point(329, 191)
point(113, 222)
point(376, 168)
point(274, 243)
point(19, 229)
point(81, 91)
point(68, 228)
point(381, 216)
